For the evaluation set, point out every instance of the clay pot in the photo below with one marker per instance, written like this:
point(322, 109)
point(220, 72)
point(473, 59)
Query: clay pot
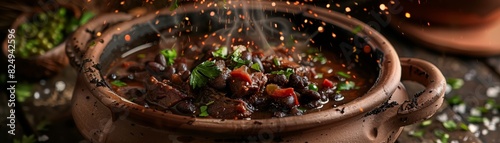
point(455, 26)
point(378, 116)
point(47, 64)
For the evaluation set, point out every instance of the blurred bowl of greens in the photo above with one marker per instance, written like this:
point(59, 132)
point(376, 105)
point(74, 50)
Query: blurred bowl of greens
point(39, 37)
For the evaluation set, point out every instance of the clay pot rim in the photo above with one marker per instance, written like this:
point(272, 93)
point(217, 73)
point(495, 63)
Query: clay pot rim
point(386, 84)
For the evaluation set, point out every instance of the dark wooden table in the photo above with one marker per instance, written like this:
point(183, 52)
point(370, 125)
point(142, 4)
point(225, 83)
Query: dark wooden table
point(48, 115)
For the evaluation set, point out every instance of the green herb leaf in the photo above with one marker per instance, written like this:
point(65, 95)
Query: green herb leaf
point(426, 123)
point(320, 58)
point(202, 73)
point(26, 139)
point(286, 72)
point(277, 63)
point(313, 87)
point(23, 91)
point(456, 83)
point(86, 16)
point(347, 85)
point(118, 83)
point(442, 135)
point(170, 55)
point(343, 74)
point(450, 125)
point(256, 66)
point(463, 127)
point(475, 119)
point(455, 100)
point(236, 58)
point(174, 5)
point(220, 53)
point(418, 133)
point(203, 110)
point(318, 75)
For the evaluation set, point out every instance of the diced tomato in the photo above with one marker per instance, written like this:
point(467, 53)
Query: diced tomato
point(241, 74)
point(285, 92)
point(327, 83)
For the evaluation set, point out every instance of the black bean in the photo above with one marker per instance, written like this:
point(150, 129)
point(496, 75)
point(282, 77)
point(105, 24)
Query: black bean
point(247, 56)
point(185, 75)
point(286, 101)
point(185, 107)
point(161, 59)
point(181, 67)
point(154, 68)
point(311, 95)
point(168, 72)
point(295, 111)
point(277, 79)
point(297, 81)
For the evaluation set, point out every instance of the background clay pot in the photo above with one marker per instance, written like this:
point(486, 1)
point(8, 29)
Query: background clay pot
point(47, 64)
point(378, 116)
point(461, 26)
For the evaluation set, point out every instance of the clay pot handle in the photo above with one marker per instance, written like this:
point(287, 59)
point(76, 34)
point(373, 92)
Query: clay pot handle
point(423, 104)
point(83, 37)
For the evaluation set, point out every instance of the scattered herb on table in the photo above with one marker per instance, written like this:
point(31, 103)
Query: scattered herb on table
point(202, 73)
point(475, 119)
point(417, 133)
point(443, 136)
point(455, 100)
point(450, 125)
point(463, 127)
point(426, 123)
point(456, 83)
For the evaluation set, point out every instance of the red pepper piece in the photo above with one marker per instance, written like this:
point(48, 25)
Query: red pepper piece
point(241, 74)
point(327, 83)
point(285, 92)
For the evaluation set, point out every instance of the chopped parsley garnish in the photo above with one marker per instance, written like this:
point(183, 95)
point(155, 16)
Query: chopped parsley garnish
point(256, 66)
point(347, 85)
point(455, 100)
point(319, 75)
point(276, 61)
point(313, 87)
point(456, 83)
point(320, 58)
point(442, 135)
point(118, 83)
point(450, 125)
point(463, 126)
point(286, 72)
point(170, 55)
point(475, 119)
point(426, 123)
point(418, 133)
point(343, 74)
point(203, 109)
point(175, 5)
point(220, 53)
point(202, 73)
point(236, 58)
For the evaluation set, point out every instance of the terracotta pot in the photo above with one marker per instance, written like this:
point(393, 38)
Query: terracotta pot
point(47, 64)
point(378, 116)
point(455, 26)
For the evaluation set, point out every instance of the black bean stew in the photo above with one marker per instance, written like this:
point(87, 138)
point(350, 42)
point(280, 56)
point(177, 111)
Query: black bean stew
point(237, 82)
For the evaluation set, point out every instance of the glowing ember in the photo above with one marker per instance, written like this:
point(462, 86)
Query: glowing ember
point(407, 15)
point(321, 29)
point(347, 9)
point(127, 37)
point(382, 7)
point(273, 4)
point(98, 34)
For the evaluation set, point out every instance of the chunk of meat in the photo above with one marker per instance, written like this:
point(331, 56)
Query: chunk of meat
point(230, 109)
point(240, 88)
point(163, 95)
point(220, 81)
